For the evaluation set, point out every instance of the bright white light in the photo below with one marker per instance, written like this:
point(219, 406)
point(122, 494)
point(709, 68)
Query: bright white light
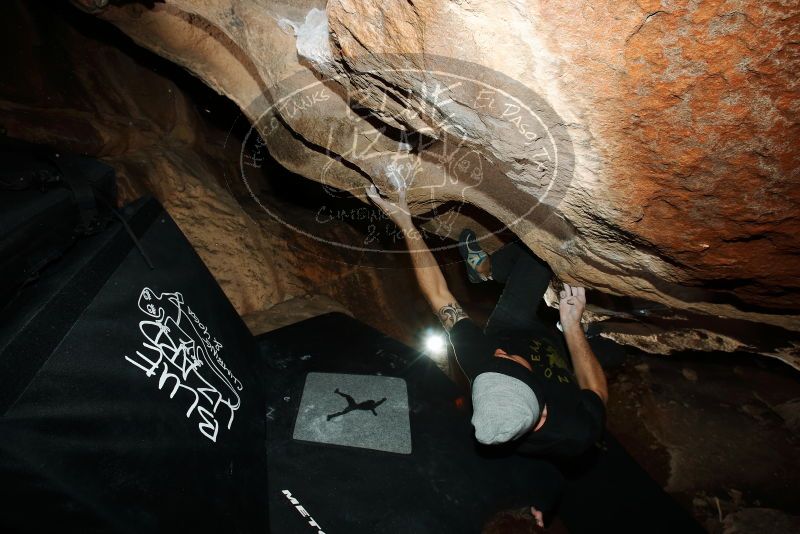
point(435, 345)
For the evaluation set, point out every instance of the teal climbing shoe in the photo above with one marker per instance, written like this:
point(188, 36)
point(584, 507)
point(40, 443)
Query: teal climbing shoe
point(473, 255)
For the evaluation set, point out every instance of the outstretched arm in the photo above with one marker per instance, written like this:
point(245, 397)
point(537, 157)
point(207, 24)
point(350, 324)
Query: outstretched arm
point(348, 398)
point(590, 375)
point(429, 275)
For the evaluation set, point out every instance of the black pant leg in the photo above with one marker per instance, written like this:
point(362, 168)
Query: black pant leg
point(526, 278)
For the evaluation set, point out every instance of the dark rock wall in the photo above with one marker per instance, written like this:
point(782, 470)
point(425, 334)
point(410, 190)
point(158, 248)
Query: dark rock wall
point(86, 88)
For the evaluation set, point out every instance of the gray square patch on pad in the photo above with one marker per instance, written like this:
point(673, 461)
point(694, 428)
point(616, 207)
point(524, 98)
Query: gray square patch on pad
point(364, 411)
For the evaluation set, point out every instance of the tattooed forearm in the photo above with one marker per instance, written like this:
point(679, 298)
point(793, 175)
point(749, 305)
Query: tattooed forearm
point(450, 314)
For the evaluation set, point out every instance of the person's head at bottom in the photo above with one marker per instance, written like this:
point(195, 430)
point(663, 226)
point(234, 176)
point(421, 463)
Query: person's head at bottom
point(507, 404)
point(507, 400)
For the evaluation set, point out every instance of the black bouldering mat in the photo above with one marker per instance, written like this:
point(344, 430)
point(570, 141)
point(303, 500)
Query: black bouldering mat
point(325, 477)
point(134, 404)
point(411, 466)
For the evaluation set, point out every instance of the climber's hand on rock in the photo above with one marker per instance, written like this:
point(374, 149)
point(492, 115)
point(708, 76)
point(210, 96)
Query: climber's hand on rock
point(538, 517)
point(571, 303)
point(397, 211)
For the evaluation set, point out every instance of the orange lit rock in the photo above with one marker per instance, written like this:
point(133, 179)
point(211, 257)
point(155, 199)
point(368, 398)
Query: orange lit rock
point(683, 119)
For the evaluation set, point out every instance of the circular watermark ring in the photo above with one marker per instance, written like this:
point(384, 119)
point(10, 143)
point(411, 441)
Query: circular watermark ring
point(451, 135)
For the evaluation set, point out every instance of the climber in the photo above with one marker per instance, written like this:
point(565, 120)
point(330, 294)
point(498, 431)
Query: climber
point(525, 393)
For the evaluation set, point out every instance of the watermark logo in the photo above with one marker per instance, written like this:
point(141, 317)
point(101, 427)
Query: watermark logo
point(451, 133)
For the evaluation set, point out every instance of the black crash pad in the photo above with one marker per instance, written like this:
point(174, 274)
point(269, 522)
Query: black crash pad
point(131, 402)
point(445, 482)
